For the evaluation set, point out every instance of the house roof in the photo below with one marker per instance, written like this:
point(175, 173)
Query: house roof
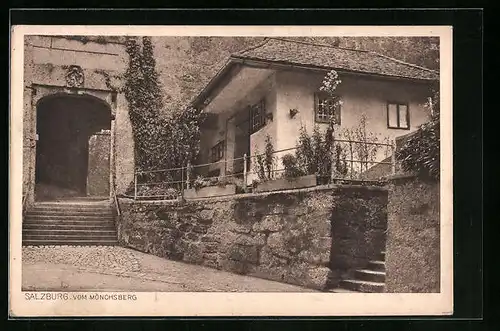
point(279, 51)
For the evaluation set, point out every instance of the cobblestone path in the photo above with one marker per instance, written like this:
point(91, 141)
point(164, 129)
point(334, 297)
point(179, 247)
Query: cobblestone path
point(116, 268)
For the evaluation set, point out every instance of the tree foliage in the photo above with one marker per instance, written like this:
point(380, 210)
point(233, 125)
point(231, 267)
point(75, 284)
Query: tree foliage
point(420, 152)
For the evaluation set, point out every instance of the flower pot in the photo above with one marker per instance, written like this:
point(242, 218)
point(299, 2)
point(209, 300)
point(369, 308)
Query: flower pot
point(210, 191)
point(286, 184)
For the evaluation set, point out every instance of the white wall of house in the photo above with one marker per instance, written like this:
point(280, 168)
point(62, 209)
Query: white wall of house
point(367, 96)
point(360, 95)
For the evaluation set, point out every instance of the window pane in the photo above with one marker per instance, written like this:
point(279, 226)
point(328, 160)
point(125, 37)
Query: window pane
point(403, 112)
point(392, 115)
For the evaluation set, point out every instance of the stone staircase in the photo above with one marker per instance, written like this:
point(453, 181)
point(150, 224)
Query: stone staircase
point(369, 280)
point(82, 223)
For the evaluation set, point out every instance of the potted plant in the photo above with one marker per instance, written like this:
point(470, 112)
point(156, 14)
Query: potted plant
point(294, 177)
point(210, 187)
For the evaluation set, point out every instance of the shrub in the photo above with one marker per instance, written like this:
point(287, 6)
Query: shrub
point(292, 169)
point(200, 182)
point(264, 163)
point(314, 152)
point(420, 153)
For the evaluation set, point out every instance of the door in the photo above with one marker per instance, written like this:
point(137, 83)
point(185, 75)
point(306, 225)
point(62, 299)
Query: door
point(242, 146)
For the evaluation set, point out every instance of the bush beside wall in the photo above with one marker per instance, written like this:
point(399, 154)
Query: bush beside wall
point(413, 243)
point(282, 236)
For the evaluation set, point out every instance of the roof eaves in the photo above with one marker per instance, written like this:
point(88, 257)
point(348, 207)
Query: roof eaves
point(406, 63)
point(242, 59)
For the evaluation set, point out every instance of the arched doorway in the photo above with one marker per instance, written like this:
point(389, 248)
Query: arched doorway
point(72, 144)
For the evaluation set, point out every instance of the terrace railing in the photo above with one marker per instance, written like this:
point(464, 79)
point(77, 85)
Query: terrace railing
point(360, 162)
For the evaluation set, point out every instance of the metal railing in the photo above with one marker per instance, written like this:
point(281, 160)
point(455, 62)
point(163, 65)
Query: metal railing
point(170, 184)
point(117, 204)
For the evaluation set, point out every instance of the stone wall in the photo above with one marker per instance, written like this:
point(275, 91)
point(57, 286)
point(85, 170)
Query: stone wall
point(295, 237)
point(98, 164)
point(413, 244)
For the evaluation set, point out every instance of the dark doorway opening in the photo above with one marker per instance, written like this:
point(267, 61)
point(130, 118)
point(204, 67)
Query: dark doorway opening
point(241, 142)
point(65, 124)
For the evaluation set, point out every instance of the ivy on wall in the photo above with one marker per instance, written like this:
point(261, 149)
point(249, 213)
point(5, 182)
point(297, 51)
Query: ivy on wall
point(162, 141)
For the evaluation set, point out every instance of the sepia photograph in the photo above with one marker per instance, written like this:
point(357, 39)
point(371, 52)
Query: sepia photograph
point(259, 162)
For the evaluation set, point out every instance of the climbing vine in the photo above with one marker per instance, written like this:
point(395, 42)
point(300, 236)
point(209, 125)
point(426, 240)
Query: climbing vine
point(161, 141)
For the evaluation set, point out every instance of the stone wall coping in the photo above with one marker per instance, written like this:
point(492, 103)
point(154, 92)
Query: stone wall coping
point(401, 176)
point(406, 177)
point(263, 194)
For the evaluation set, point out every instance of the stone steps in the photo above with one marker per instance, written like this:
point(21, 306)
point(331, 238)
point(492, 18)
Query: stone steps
point(33, 213)
point(68, 225)
point(81, 224)
point(70, 233)
point(362, 286)
point(370, 275)
point(70, 220)
point(66, 242)
point(370, 279)
point(376, 266)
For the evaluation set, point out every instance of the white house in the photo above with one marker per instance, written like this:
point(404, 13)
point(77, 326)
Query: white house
point(252, 95)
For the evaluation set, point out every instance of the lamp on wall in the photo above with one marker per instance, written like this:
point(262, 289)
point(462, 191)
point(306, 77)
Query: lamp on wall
point(293, 112)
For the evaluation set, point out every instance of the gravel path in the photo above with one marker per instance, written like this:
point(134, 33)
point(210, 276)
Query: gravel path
point(113, 268)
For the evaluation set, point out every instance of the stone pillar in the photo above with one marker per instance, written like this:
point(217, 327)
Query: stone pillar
point(99, 164)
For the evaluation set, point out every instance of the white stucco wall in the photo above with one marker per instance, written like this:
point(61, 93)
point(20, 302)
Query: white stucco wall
point(360, 95)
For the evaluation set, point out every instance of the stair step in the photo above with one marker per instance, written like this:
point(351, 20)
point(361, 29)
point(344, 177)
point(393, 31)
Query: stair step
point(342, 290)
point(57, 242)
point(69, 231)
point(35, 213)
point(370, 275)
point(70, 220)
point(63, 236)
point(72, 206)
point(376, 265)
point(362, 286)
point(63, 226)
point(68, 217)
point(381, 256)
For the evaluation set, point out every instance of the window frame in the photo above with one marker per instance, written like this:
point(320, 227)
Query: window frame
point(219, 148)
point(398, 104)
point(323, 95)
point(257, 110)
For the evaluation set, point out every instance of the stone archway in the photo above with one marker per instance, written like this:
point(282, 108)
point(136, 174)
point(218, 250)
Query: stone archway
point(73, 141)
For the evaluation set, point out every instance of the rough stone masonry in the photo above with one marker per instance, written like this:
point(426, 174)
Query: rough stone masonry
point(310, 237)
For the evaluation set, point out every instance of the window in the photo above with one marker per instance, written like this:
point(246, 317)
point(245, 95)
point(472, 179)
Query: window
point(398, 116)
point(325, 108)
point(257, 116)
point(217, 152)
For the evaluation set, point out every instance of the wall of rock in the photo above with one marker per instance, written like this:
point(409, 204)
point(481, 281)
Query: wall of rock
point(307, 237)
point(413, 236)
